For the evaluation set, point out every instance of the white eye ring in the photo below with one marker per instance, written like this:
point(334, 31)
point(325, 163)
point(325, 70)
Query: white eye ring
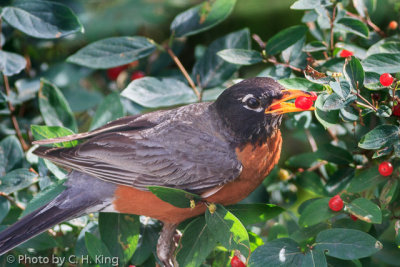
point(246, 98)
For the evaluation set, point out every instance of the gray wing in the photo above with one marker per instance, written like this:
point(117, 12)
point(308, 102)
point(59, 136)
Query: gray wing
point(173, 154)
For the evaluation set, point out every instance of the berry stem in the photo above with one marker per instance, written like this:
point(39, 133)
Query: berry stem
point(184, 72)
point(332, 20)
point(367, 20)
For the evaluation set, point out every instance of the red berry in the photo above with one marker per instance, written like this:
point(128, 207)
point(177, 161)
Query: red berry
point(113, 73)
point(346, 53)
point(396, 110)
point(313, 96)
point(236, 262)
point(336, 203)
point(303, 102)
point(385, 168)
point(386, 79)
point(137, 75)
point(354, 218)
point(393, 25)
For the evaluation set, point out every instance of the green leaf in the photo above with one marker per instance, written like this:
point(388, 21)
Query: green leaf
point(240, 56)
point(315, 46)
point(314, 257)
point(382, 62)
point(334, 154)
point(390, 47)
point(196, 243)
point(365, 179)
point(11, 63)
point(316, 212)
point(113, 52)
point(176, 197)
point(354, 73)
point(201, 17)
point(277, 231)
point(347, 244)
point(303, 160)
point(342, 88)
point(326, 118)
point(110, 109)
point(54, 107)
point(354, 26)
point(365, 210)
point(42, 19)
point(153, 92)
point(212, 69)
point(300, 84)
point(380, 136)
point(384, 111)
point(255, 241)
point(309, 4)
point(120, 233)
point(4, 208)
point(279, 252)
point(44, 197)
point(285, 38)
point(228, 230)
point(41, 132)
point(255, 213)
point(11, 154)
point(96, 248)
point(16, 180)
point(388, 192)
point(310, 181)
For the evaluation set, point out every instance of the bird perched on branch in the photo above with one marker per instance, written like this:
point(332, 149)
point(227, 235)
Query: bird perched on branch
point(221, 151)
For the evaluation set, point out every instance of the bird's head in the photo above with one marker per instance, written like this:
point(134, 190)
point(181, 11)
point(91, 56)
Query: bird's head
point(253, 108)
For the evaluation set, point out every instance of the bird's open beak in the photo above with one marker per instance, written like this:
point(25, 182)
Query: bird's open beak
point(280, 106)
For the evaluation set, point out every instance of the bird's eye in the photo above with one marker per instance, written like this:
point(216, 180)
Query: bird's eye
point(253, 103)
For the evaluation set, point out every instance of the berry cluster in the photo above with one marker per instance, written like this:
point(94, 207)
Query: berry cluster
point(113, 73)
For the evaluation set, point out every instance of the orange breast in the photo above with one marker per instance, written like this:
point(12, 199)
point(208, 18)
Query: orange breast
point(257, 162)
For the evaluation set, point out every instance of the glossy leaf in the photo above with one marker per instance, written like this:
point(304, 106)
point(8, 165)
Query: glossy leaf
point(347, 244)
point(285, 38)
point(354, 26)
point(316, 212)
point(211, 69)
point(11, 154)
point(228, 230)
point(326, 118)
point(120, 233)
point(11, 63)
point(311, 181)
point(153, 92)
point(388, 192)
point(112, 52)
point(309, 4)
point(354, 73)
point(334, 154)
point(383, 62)
point(315, 46)
point(279, 252)
point(54, 107)
point(365, 210)
point(176, 197)
point(96, 248)
point(110, 109)
point(365, 179)
point(300, 84)
point(201, 17)
point(42, 19)
point(380, 136)
point(196, 243)
point(255, 213)
point(240, 56)
point(4, 208)
point(41, 132)
point(16, 180)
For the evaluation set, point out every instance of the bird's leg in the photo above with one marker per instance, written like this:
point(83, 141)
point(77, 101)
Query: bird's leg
point(166, 245)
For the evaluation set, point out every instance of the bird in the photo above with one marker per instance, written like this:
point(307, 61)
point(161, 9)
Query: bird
point(220, 150)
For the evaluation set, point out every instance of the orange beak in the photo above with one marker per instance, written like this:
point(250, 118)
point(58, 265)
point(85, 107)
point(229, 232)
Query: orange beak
point(280, 106)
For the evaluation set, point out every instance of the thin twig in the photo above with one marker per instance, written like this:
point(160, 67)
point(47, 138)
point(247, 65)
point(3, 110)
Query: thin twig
point(367, 20)
point(184, 72)
point(311, 140)
point(258, 40)
point(332, 26)
point(362, 104)
point(366, 101)
point(14, 121)
point(12, 201)
point(275, 62)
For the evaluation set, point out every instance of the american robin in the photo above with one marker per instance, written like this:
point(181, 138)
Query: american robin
point(221, 150)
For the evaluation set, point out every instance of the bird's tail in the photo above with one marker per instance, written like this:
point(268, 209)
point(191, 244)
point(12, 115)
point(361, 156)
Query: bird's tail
point(71, 203)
